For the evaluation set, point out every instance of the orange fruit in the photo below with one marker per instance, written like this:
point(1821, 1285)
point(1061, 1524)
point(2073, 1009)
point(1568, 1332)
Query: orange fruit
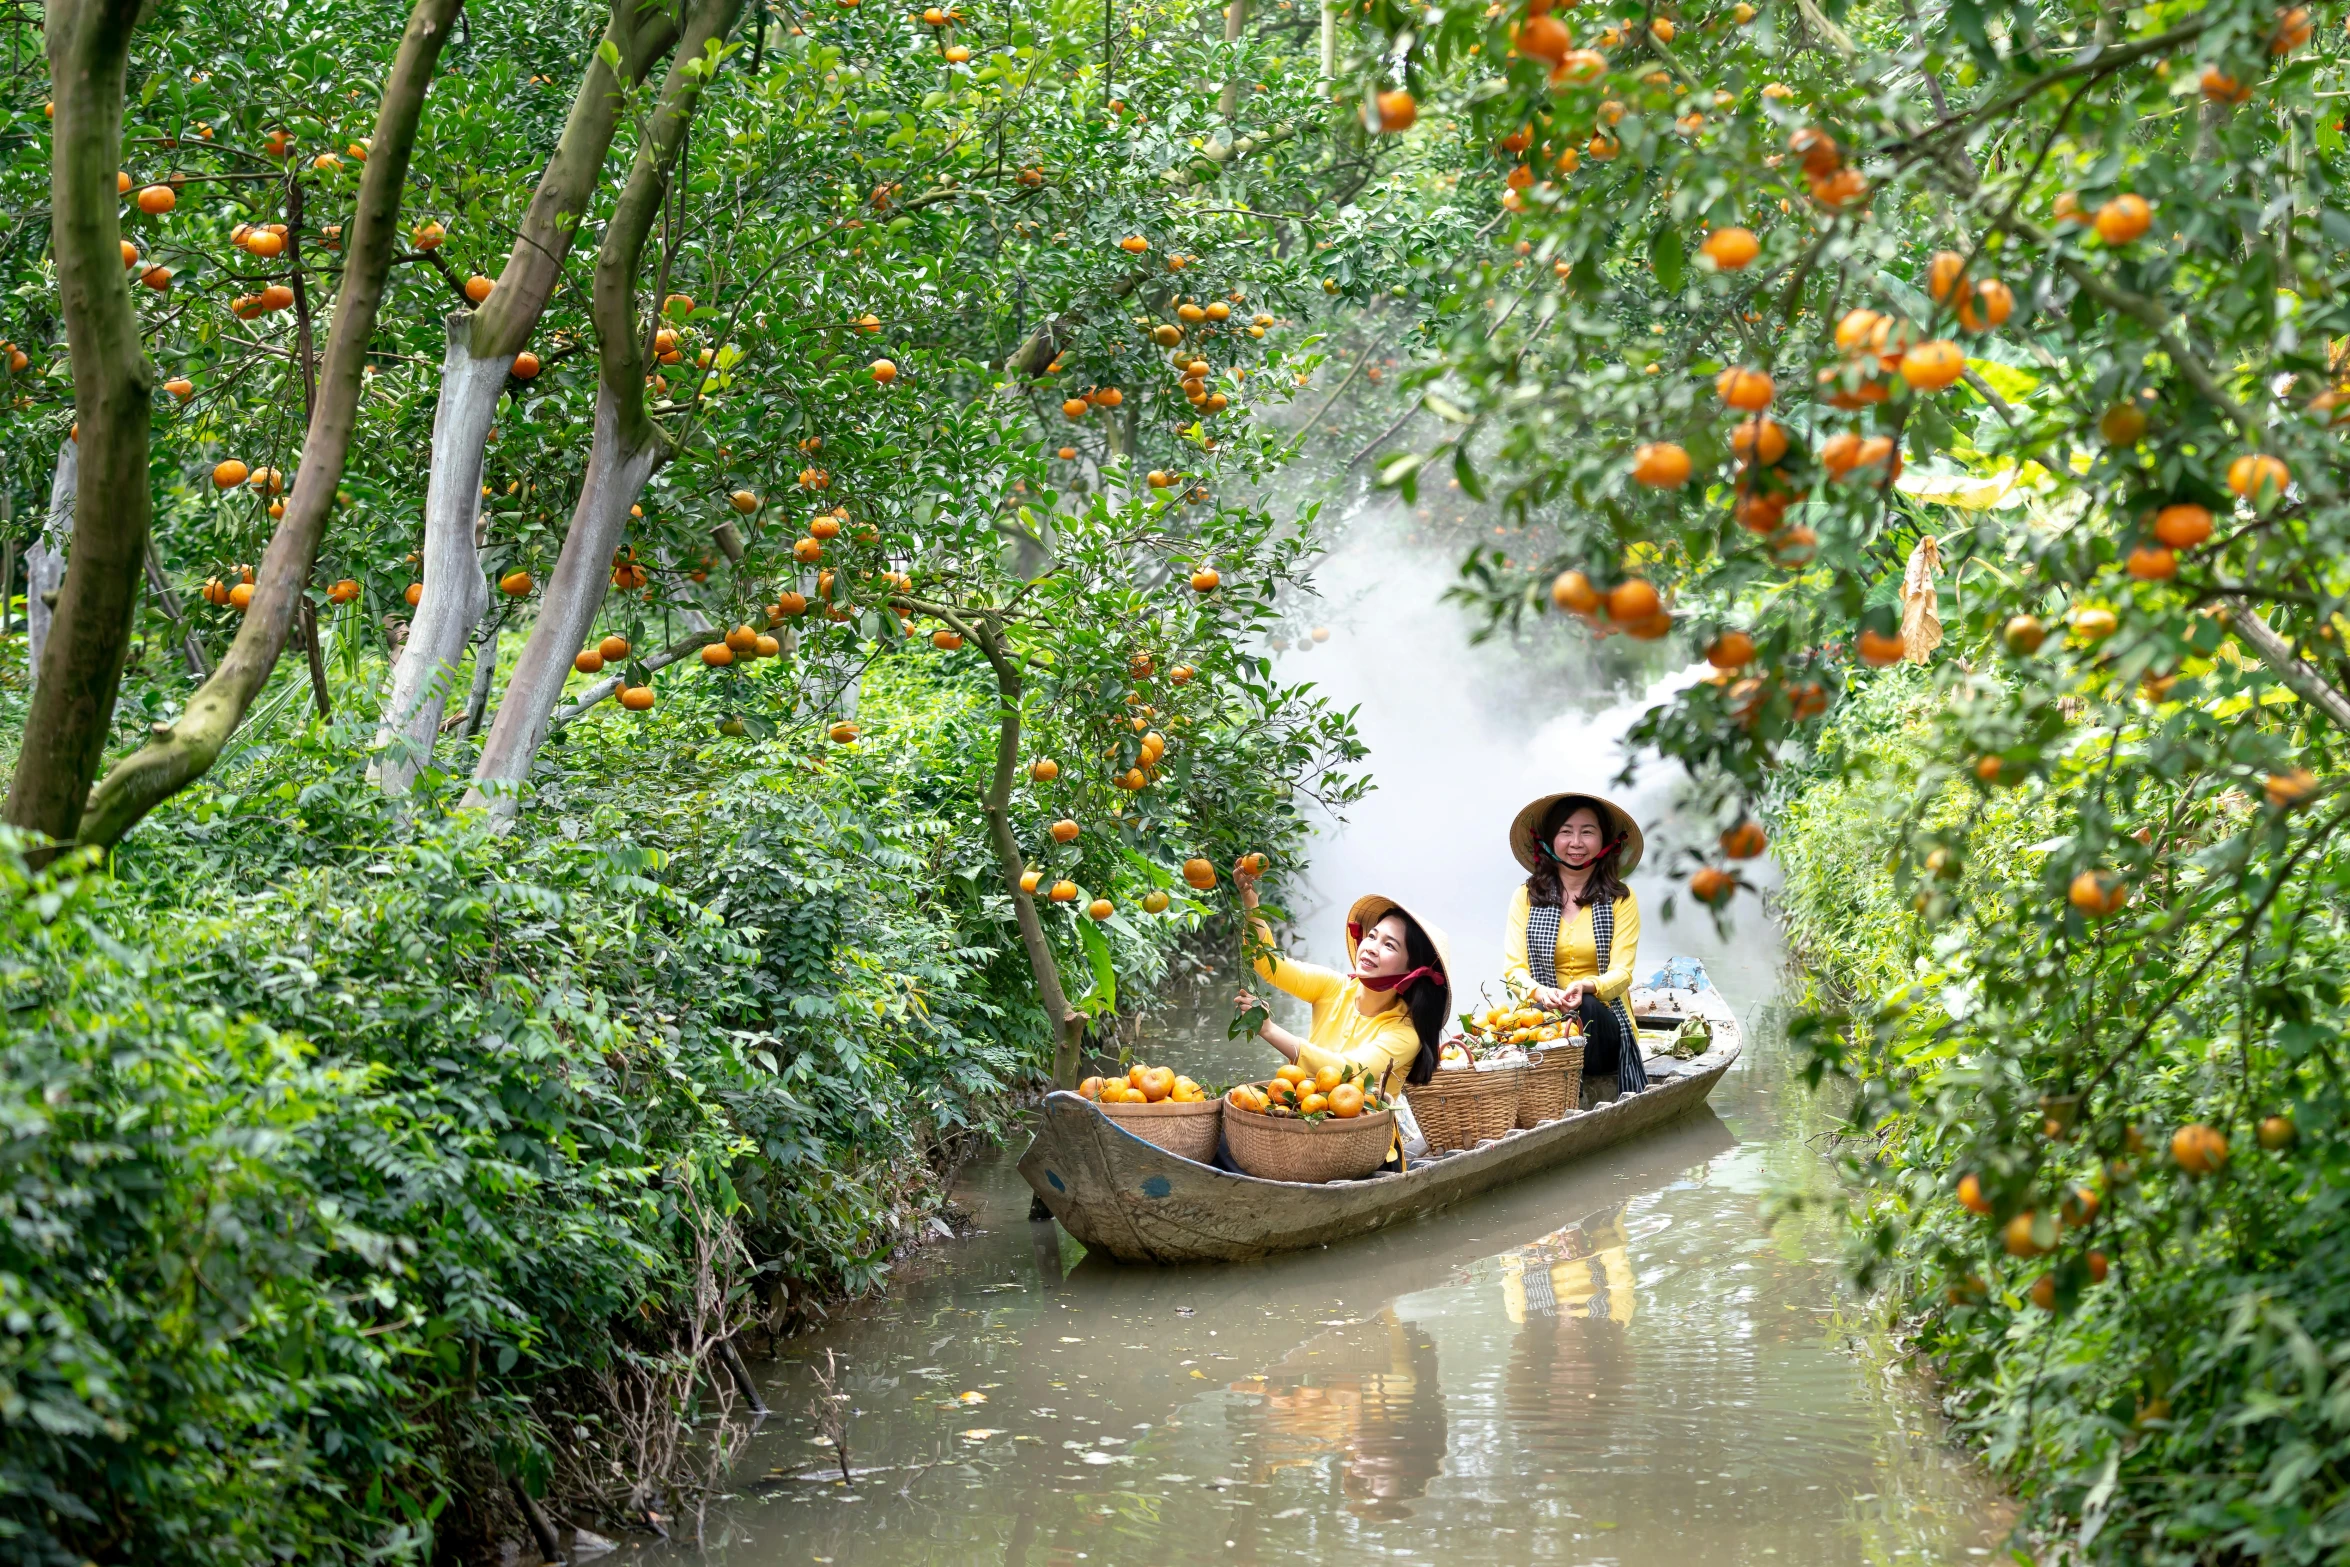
point(1660, 465)
point(1942, 275)
point(515, 584)
point(2097, 1265)
point(1397, 111)
point(343, 592)
point(612, 648)
point(241, 596)
point(2289, 788)
point(415, 592)
point(1990, 303)
point(1731, 650)
point(2257, 476)
point(588, 661)
point(1731, 249)
point(1744, 841)
point(1156, 1083)
point(1572, 591)
point(2277, 1132)
point(1346, 1101)
point(1205, 580)
point(2124, 424)
point(884, 372)
point(1292, 1073)
point(1970, 1195)
point(1029, 879)
point(477, 288)
point(2098, 893)
point(2024, 634)
point(2123, 219)
point(1328, 1077)
point(1100, 908)
point(2043, 1292)
point(2199, 1149)
point(156, 200)
point(2017, 1236)
point(1199, 874)
point(717, 655)
point(1313, 1104)
point(1749, 391)
point(1711, 886)
point(1632, 601)
point(1065, 831)
point(1759, 440)
point(1063, 892)
point(2182, 526)
point(843, 733)
point(1091, 1088)
point(2152, 563)
point(1155, 902)
point(1931, 366)
point(637, 699)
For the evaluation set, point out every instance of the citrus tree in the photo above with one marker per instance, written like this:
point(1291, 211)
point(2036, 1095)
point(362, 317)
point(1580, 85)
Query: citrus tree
point(2002, 339)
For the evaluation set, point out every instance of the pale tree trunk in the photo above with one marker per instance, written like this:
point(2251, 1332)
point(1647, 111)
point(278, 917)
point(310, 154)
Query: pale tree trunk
point(626, 446)
point(1329, 39)
point(44, 566)
point(80, 673)
point(178, 753)
point(1235, 22)
point(616, 475)
point(455, 596)
point(474, 366)
point(1068, 1024)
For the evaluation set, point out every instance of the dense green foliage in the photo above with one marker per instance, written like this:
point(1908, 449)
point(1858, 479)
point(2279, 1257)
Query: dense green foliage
point(2040, 305)
point(2188, 1408)
point(354, 1159)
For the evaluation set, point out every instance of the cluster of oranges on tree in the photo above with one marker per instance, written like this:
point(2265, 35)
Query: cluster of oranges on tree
point(2197, 1149)
point(1144, 1085)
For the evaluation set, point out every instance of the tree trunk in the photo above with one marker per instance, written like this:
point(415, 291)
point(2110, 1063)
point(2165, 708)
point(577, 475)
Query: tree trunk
point(1067, 1023)
point(1235, 22)
point(1329, 39)
point(616, 475)
point(474, 366)
point(177, 754)
point(455, 596)
point(44, 567)
point(80, 673)
point(626, 447)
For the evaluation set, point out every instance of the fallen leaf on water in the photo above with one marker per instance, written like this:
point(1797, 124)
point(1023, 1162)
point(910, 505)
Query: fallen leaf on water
point(1202, 1375)
point(1099, 1458)
point(980, 1433)
point(972, 1398)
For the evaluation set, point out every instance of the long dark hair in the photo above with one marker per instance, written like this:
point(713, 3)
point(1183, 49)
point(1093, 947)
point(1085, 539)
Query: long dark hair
point(1427, 1001)
point(1606, 884)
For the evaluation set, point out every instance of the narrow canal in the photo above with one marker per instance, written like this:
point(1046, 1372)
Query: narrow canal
point(1622, 1361)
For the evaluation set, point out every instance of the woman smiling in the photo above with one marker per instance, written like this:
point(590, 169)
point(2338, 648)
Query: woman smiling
point(1574, 929)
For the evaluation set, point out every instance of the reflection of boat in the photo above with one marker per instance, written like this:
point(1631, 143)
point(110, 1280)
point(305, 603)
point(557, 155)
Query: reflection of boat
point(1583, 1270)
point(1120, 1195)
point(1365, 1394)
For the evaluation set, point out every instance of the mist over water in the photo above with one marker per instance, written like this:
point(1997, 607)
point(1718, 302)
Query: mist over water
point(1461, 738)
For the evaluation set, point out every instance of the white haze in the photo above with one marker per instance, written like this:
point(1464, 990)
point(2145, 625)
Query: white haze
point(1460, 737)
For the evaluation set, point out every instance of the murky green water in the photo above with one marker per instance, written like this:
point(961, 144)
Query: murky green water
point(1616, 1362)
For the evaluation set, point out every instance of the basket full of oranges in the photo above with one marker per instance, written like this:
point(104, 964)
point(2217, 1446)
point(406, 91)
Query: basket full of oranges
point(1303, 1125)
point(1162, 1108)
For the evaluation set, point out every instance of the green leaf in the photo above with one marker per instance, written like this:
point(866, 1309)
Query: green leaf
point(1102, 999)
point(1665, 252)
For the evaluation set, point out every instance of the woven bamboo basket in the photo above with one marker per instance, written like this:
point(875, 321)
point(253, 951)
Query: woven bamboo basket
point(1282, 1148)
point(1464, 1107)
point(1554, 1078)
point(1190, 1130)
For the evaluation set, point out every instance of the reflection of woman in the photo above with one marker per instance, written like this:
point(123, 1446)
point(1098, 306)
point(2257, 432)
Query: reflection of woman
point(1574, 928)
point(1399, 1447)
point(1385, 1016)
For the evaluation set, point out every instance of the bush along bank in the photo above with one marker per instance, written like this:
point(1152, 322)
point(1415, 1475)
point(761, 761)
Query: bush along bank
point(2115, 1222)
point(362, 1164)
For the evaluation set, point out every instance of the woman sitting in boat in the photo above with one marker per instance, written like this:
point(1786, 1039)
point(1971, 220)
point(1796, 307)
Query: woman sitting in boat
point(1385, 1017)
point(1574, 929)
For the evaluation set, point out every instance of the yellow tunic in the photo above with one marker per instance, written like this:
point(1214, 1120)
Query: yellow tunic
point(1383, 1044)
point(1578, 950)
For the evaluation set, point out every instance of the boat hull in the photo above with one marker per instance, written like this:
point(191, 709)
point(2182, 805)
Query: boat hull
point(1141, 1204)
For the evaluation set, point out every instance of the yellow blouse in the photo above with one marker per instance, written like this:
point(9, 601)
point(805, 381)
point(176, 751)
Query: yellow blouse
point(1578, 949)
point(1383, 1044)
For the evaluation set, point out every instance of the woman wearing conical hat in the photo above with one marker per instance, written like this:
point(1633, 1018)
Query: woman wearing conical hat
point(1574, 928)
point(1385, 1016)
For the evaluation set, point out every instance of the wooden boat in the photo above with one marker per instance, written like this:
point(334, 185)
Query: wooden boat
point(1122, 1196)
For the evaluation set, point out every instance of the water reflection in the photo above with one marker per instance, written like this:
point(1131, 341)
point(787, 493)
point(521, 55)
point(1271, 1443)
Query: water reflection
point(1365, 1396)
